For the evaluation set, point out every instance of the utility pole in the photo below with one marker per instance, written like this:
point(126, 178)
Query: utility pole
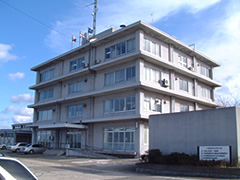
point(94, 17)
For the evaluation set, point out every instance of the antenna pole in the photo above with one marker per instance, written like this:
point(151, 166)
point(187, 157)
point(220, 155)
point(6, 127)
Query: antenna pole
point(94, 17)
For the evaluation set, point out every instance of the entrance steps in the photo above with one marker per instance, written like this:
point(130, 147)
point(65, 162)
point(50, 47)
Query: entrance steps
point(55, 152)
point(87, 154)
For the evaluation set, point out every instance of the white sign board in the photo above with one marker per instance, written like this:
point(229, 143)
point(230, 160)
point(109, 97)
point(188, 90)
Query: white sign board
point(217, 153)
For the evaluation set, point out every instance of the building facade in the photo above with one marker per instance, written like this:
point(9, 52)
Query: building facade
point(100, 95)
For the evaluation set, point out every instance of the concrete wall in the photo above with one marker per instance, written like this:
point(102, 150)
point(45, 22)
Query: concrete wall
point(184, 132)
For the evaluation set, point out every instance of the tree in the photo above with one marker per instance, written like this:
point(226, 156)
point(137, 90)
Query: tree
point(228, 101)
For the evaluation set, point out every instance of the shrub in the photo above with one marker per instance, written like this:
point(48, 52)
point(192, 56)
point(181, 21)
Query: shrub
point(155, 156)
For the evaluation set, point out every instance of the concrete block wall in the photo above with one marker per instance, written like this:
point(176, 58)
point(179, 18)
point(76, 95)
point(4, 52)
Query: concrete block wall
point(184, 132)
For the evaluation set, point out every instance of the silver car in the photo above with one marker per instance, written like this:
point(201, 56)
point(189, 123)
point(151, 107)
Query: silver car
point(16, 147)
point(3, 146)
point(34, 148)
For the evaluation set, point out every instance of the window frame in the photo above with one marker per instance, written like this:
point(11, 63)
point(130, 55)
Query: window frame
point(121, 48)
point(46, 94)
point(183, 82)
point(119, 105)
point(77, 64)
point(73, 111)
point(184, 107)
point(47, 75)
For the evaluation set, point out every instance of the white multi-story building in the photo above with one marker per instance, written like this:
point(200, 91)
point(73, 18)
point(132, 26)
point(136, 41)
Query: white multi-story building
point(100, 95)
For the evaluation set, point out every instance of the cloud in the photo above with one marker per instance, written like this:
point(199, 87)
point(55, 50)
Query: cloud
point(224, 47)
point(114, 13)
point(22, 111)
point(22, 98)
point(15, 114)
point(5, 56)
point(21, 119)
point(9, 109)
point(6, 123)
point(15, 76)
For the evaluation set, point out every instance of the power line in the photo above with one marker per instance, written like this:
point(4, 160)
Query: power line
point(34, 19)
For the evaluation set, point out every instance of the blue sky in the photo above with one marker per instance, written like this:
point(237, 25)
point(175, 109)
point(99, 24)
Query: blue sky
point(26, 39)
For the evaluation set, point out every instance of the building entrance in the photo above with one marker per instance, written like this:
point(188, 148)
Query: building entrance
point(74, 139)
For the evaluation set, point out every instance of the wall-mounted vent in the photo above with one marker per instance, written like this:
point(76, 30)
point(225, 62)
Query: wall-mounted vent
point(165, 83)
point(191, 68)
point(97, 61)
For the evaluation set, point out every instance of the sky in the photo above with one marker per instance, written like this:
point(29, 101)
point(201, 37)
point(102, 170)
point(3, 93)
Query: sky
point(32, 32)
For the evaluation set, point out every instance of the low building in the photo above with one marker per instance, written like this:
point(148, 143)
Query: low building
point(186, 131)
point(22, 132)
point(7, 136)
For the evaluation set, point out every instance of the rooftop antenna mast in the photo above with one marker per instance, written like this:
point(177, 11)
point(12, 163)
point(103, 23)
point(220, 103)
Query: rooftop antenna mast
point(94, 17)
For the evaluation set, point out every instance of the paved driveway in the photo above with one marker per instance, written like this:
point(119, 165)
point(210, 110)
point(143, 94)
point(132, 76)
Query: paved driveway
point(71, 168)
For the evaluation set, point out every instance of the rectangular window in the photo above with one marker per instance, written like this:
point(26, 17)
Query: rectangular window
point(152, 47)
point(119, 49)
point(184, 108)
point(107, 53)
point(152, 75)
point(46, 94)
point(120, 75)
point(75, 111)
point(183, 85)
point(147, 45)
point(206, 93)
point(109, 79)
point(45, 115)
point(130, 73)
point(130, 45)
point(108, 106)
point(47, 75)
point(120, 105)
point(76, 87)
point(205, 71)
point(131, 103)
point(182, 61)
point(77, 64)
point(152, 104)
point(119, 139)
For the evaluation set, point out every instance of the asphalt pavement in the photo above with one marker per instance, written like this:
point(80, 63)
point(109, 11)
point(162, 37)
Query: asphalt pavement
point(71, 168)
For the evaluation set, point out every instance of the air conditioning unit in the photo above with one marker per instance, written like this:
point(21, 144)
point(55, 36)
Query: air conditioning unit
point(85, 65)
point(165, 83)
point(97, 61)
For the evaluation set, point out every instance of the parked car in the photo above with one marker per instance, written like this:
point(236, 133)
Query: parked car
point(23, 148)
point(33, 148)
point(3, 146)
point(16, 148)
point(11, 168)
point(8, 146)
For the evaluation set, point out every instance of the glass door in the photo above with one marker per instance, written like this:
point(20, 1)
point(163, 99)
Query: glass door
point(74, 139)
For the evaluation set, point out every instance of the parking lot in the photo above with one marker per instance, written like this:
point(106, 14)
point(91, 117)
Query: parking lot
point(71, 168)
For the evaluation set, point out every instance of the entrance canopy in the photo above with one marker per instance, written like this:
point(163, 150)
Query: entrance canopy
point(62, 125)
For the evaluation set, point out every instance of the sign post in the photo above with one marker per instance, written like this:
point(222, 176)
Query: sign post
point(216, 153)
